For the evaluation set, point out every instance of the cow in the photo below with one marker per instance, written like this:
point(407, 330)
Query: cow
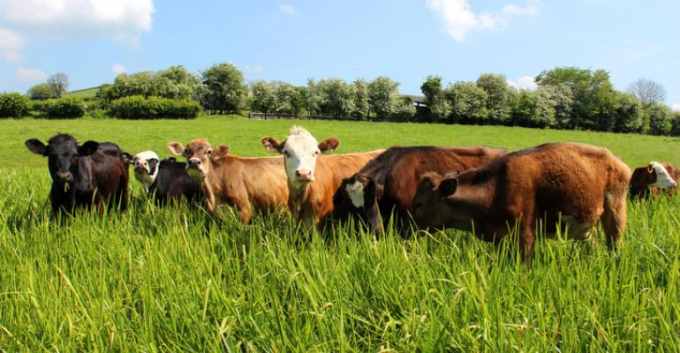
point(250, 184)
point(572, 184)
point(165, 180)
point(653, 179)
point(388, 183)
point(313, 178)
point(83, 175)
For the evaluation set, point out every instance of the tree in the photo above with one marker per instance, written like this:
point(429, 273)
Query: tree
point(224, 89)
point(284, 97)
point(41, 92)
point(338, 97)
point(628, 113)
point(534, 108)
point(383, 96)
point(468, 103)
point(647, 91)
point(438, 107)
point(498, 97)
point(361, 99)
point(660, 119)
point(58, 83)
point(299, 100)
point(262, 97)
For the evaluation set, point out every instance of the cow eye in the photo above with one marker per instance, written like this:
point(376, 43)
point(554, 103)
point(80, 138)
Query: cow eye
point(208, 152)
point(286, 153)
point(75, 156)
point(317, 152)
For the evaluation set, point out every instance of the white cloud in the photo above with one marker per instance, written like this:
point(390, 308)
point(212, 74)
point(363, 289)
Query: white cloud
point(123, 20)
point(676, 107)
point(459, 19)
point(524, 82)
point(10, 45)
point(118, 69)
point(288, 9)
point(29, 76)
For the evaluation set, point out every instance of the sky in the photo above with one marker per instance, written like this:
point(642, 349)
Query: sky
point(94, 40)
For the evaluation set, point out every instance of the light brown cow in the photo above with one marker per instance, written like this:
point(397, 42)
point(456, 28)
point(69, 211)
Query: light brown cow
point(249, 184)
point(568, 183)
point(313, 178)
point(654, 178)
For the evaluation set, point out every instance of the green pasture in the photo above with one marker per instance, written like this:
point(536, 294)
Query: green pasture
point(172, 279)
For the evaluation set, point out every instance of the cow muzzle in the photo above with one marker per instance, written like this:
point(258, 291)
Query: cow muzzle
point(141, 170)
point(64, 177)
point(304, 175)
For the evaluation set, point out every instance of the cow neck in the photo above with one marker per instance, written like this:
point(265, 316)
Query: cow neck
point(474, 196)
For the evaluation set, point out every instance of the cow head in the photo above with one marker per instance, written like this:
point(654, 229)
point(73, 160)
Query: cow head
point(63, 153)
point(661, 178)
point(146, 166)
point(199, 154)
point(300, 150)
point(431, 208)
point(356, 192)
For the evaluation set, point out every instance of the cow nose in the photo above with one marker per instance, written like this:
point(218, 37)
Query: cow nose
point(303, 175)
point(194, 162)
point(65, 176)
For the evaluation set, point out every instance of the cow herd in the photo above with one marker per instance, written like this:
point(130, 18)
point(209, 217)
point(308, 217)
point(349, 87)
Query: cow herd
point(556, 187)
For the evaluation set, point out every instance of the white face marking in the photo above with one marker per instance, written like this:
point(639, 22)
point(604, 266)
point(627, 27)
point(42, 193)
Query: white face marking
point(356, 194)
point(300, 151)
point(143, 170)
point(663, 179)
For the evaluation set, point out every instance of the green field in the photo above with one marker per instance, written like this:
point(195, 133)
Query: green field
point(171, 279)
point(87, 93)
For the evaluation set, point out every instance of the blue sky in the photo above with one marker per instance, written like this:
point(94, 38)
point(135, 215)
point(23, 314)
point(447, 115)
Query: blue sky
point(93, 40)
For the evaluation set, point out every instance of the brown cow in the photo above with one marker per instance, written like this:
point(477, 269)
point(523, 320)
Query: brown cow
point(388, 183)
point(654, 178)
point(574, 184)
point(313, 178)
point(249, 184)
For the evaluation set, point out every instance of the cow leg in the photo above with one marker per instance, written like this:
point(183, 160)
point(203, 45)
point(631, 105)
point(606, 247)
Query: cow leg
point(527, 237)
point(375, 222)
point(244, 211)
point(614, 219)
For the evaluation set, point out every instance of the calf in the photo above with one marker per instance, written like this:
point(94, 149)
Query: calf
point(94, 173)
point(165, 180)
point(249, 184)
point(388, 183)
point(654, 178)
point(567, 183)
point(313, 179)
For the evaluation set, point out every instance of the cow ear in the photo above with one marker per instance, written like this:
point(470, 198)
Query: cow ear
point(328, 145)
point(448, 187)
point(650, 168)
point(220, 152)
point(273, 145)
point(36, 146)
point(88, 148)
point(127, 158)
point(175, 148)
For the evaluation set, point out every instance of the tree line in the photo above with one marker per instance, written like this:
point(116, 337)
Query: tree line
point(565, 98)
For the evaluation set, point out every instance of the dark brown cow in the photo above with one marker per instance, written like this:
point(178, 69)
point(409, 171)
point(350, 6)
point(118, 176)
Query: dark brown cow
point(388, 183)
point(94, 173)
point(654, 179)
point(313, 179)
point(575, 184)
point(250, 184)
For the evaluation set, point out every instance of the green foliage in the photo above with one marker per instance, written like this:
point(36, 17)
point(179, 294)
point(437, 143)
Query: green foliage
point(498, 97)
point(362, 100)
point(675, 124)
point(383, 96)
point(534, 109)
point(174, 83)
point(41, 92)
point(438, 106)
point(64, 108)
point(285, 97)
point(222, 89)
point(261, 97)
point(660, 119)
point(58, 84)
point(138, 107)
point(628, 113)
point(468, 103)
point(332, 97)
point(13, 105)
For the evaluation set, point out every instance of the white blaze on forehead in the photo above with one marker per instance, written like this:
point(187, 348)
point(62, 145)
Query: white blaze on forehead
point(356, 193)
point(663, 179)
point(300, 150)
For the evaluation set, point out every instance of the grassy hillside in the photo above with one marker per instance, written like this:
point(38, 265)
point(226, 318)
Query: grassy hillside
point(87, 93)
point(171, 279)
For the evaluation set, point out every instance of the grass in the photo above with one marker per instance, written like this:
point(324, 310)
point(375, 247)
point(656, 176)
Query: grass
point(170, 279)
point(87, 93)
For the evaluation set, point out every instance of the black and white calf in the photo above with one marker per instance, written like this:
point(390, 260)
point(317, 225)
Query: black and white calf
point(166, 179)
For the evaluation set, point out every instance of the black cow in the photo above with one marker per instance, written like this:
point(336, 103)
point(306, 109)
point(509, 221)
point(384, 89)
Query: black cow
point(82, 176)
point(165, 180)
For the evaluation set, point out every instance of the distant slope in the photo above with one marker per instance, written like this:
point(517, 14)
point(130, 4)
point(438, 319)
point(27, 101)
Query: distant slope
point(87, 93)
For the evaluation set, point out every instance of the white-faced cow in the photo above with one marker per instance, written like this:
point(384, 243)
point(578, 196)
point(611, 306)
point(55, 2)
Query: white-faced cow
point(249, 184)
point(388, 183)
point(654, 179)
point(568, 183)
point(313, 178)
point(83, 175)
point(165, 180)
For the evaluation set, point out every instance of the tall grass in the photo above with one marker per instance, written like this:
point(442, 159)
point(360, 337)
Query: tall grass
point(171, 279)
